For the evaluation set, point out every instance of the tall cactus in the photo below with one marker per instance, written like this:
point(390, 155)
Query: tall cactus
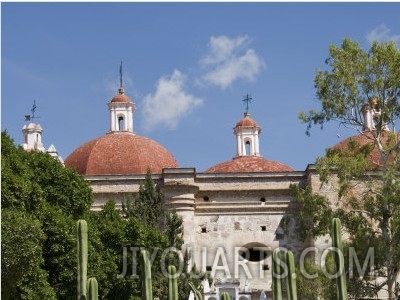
point(339, 260)
point(291, 287)
point(172, 283)
point(276, 275)
point(147, 290)
point(82, 243)
point(225, 296)
point(93, 289)
point(197, 294)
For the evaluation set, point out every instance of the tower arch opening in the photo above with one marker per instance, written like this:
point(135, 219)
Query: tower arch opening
point(247, 145)
point(121, 123)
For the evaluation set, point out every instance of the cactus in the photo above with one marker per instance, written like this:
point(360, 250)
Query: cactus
point(276, 274)
point(92, 289)
point(197, 293)
point(82, 243)
point(172, 283)
point(87, 289)
point(147, 290)
point(225, 296)
point(339, 260)
point(291, 288)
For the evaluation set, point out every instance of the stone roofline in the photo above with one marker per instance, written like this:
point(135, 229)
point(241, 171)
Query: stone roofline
point(174, 173)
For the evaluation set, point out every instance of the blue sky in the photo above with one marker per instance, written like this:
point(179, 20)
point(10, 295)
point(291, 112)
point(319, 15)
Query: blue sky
point(187, 66)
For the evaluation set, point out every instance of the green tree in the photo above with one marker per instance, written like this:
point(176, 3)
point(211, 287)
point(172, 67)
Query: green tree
point(148, 206)
point(174, 232)
point(312, 283)
point(22, 259)
point(174, 229)
point(52, 198)
point(108, 237)
point(153, 224)
point(356, 81)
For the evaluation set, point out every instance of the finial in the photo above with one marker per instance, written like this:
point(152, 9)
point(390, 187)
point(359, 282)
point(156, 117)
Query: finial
point(120, 75)
point(33, 110)
point(247, 99)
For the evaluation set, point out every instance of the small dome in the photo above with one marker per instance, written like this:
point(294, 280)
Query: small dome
point(354, 143)
point(249, 164)
point(120, 153)
point(246, 122)
point(121, 97)
point(32, 126)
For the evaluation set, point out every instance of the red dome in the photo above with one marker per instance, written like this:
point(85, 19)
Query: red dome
point(120, 153)
point(354, 143)
point(121, 97)
point(249, 164)
point(247, 122)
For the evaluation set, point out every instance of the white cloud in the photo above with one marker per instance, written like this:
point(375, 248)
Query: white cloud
point(169, 103)
point(382, 34)
point(229, 60)
point(222, 48)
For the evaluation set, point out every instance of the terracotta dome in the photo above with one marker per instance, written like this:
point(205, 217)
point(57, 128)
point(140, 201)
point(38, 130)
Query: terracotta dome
point(121, 97)
point(249, 164)
point(354, 143)
point(120, 153)
point(247, 122)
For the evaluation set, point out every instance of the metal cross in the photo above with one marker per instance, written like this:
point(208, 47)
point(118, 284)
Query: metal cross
point(247, 99)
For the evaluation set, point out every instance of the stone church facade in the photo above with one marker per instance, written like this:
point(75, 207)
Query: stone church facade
point(233, 213)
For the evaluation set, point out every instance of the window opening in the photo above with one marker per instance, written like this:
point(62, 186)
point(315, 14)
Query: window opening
point(121, 123)
point(247, 144)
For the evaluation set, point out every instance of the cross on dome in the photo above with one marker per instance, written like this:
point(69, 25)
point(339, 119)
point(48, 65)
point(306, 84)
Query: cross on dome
point(247, 99)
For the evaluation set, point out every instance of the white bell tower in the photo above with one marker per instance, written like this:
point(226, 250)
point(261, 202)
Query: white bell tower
point(32, 133)
point(121, 110)
point(247, 132)
point(32, 137)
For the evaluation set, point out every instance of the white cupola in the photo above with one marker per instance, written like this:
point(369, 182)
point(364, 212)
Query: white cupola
point(32, 137)
point(121, 112)
point(371, 114)
point(247, 132)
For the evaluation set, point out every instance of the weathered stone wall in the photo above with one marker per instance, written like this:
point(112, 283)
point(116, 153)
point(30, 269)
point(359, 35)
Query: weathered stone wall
point(223, 214)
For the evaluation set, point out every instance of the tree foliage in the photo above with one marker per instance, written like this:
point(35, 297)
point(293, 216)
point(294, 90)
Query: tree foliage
point(174, 229)
point(148, 209)
point(45, 198)
point(148, 206)
point(353, 77)
point(312, 282)
point(22, 257)
point(368, 204)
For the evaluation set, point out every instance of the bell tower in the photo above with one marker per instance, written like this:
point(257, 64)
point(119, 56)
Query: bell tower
point(247, 132)
point(121, 110)
point(32, 133)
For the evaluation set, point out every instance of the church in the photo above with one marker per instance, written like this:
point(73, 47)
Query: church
point(233, 213)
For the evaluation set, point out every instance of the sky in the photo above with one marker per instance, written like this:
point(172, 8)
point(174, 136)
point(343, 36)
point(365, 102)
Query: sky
point(186, 66)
